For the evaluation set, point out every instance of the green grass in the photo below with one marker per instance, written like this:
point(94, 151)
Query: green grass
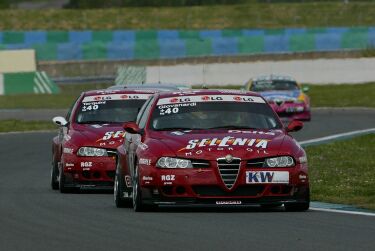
point(333, 95)
point(345, 95)
point(20, 125)
point(69, 93)
point(343, 172)
point(251, 15)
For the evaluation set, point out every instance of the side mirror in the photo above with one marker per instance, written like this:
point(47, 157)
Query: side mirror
point(61, 121)
point(131, 127)
point(294, 126)
point(305, 89)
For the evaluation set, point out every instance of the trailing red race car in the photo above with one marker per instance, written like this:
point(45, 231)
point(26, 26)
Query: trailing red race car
point(284, 94)
point(84, 151)
point(210, 147)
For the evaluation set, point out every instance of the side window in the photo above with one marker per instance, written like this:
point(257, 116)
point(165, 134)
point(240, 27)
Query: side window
point(143, 109)
point(68, 115)
point(143, 119)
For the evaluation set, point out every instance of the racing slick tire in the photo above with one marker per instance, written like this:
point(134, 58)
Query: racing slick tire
point(62, 187)
point(138, 204)
point(299, 206)
point(54, 176)
point(118, 190)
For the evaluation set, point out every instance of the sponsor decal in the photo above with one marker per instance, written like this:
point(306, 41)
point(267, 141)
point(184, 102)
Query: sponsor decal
point(211, 98)
point(168, 177)
point(169, 111)
point(69, 164)
point(67, 150)
point(143, 146)
point(112, 135)
point(225, 142)
point(144, 161)
point(265, 177)
point(228, 202)
point(251, 132)
point(115, 97)
point(86, 164)
point(147, 178)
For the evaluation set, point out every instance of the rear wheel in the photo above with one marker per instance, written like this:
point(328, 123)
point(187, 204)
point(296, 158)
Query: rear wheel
point(118, 190)
point(54, 176)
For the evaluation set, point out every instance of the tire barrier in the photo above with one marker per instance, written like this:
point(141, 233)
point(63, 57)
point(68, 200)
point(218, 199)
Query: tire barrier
point(171, 44)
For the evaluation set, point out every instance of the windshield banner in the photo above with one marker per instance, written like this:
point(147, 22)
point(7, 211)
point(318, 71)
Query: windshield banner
point(115, 97)
point(210, 98)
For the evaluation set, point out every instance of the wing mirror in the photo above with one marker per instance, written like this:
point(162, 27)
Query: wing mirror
point(294, 126)
point(132, 127)
point(61, 121)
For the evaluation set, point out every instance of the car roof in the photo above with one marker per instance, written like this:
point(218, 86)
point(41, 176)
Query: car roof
point(207, 92)
point(157, 87)
point(114, 91)
point(273, 77)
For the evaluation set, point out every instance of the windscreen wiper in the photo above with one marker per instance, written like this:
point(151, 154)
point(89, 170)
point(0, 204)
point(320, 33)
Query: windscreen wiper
point(176, 128)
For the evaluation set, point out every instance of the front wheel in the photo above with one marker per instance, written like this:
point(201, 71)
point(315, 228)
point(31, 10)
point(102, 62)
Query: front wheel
point(138, 204)
point(118, 190)
point(62, 187)
point(54, 176)
point(299, 206)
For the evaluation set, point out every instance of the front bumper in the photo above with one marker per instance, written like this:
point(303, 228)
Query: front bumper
point(291, 111)
point(205, 187)
point(89, 172)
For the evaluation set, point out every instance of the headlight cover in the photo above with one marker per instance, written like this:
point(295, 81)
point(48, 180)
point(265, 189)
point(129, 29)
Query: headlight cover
point(92, 152)
point(168, 162)
point(282, 161)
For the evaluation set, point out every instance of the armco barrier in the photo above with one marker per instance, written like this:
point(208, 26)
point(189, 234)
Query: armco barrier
point(27, 83)
point(156, 44)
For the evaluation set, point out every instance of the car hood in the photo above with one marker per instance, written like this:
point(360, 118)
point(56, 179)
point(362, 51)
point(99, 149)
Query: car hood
point(210, 145)
point(98, 135)
point(281, 95)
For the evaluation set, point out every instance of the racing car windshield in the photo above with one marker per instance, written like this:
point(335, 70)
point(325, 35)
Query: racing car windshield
point(261, 86)
point(214, 115)
point(108, 111)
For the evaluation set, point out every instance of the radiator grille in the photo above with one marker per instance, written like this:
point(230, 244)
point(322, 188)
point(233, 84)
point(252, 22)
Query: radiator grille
point(229, 170)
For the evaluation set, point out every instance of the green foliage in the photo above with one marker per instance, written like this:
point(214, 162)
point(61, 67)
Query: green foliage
point(12, 125)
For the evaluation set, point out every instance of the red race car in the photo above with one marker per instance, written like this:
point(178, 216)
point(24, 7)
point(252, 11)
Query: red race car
point(210, 147)
point(84, 151)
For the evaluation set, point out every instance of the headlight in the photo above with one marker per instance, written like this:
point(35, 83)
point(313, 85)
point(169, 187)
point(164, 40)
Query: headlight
point(283, 161)
point(167, 162)
point(92, 151)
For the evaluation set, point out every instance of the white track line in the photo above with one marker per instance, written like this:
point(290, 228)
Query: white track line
point(336, 136)
point(342, 211)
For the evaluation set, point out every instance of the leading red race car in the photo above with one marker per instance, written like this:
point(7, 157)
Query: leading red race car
point(210, 147)
point(84, 152)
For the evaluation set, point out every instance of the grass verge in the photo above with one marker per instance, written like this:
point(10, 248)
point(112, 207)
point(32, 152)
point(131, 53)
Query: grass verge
point(20, 125)
point(343, 172)
point(250, 15)
point(330, 95)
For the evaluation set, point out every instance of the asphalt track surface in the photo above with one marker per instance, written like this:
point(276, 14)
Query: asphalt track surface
point(33, 217)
